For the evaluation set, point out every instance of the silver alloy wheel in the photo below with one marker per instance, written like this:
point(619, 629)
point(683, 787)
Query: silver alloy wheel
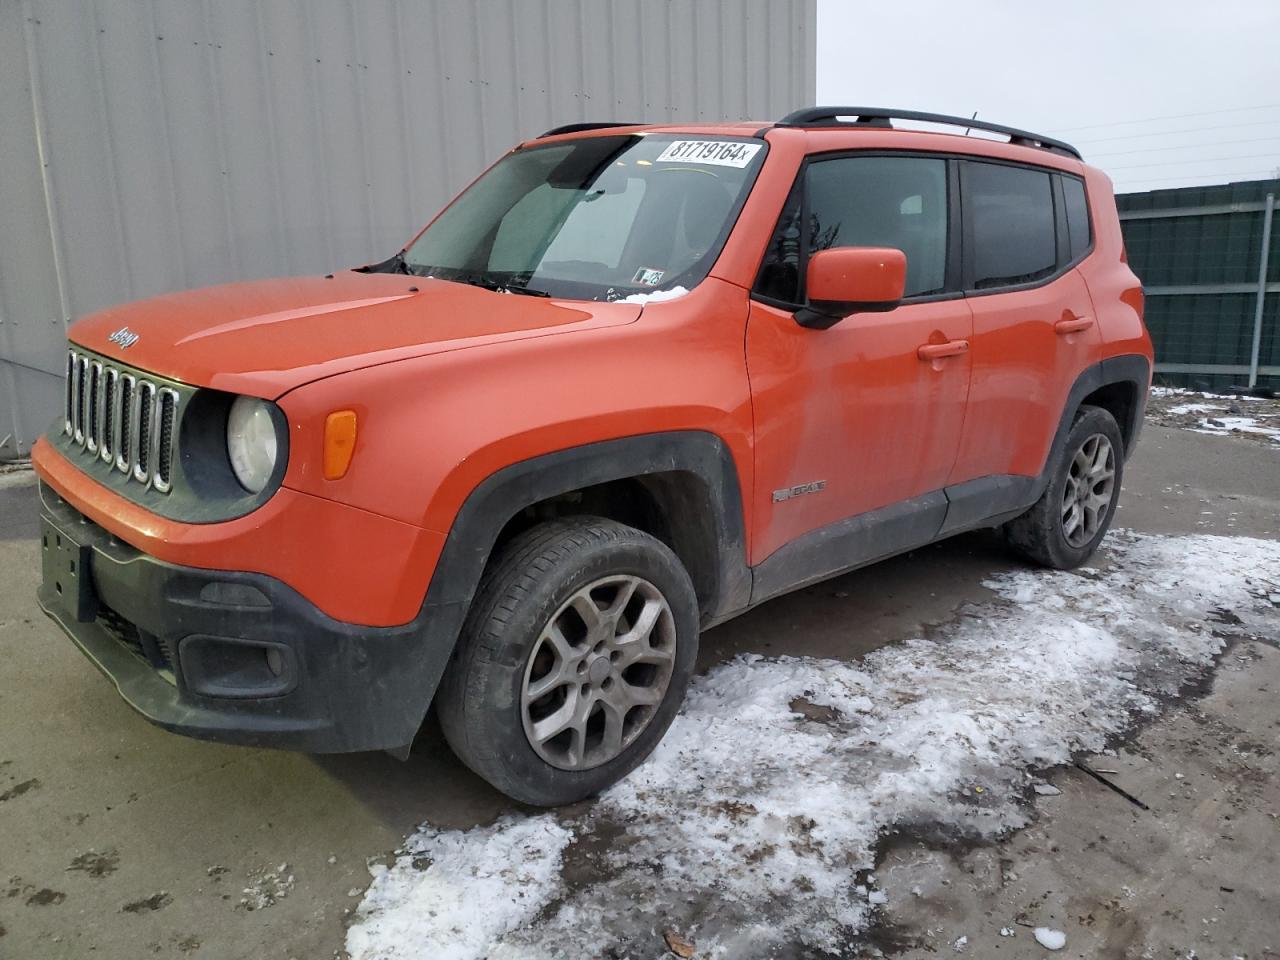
point(598, 672)
point(1091, 480)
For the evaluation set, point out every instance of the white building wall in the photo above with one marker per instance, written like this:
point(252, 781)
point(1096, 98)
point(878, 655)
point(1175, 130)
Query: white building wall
point(152, 145)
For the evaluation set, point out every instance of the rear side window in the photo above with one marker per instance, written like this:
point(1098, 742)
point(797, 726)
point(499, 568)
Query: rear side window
point(1011, 212)
point(898, 202)
point(1077, 209)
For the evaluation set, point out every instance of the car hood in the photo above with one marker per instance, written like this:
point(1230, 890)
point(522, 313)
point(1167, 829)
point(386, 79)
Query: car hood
point(268, 336)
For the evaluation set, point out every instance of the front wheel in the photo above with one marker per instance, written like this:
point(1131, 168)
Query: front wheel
point(1071, 517)
point(573, 661)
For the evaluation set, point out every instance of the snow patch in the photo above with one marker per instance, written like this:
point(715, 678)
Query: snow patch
point(267, 887)
point(1224, 425)
point(1050, 939)
point(655, 297)
point(1203, 394)
point(453, 894)
point(749, 826)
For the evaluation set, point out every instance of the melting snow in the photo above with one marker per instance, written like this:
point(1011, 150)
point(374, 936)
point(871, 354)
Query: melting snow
point(656, 297)
point(1184, 392)
point(1221, 425)
point(748, 827)
point(1050, 939)
point(267, 887)
point(453, 894)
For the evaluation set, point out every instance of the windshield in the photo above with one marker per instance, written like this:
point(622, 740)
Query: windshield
point(593, 219)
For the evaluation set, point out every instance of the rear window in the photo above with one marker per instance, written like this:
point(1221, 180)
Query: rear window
point(1011, 209)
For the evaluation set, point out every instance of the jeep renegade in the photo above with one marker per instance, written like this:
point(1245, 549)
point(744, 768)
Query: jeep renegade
point(631, 382)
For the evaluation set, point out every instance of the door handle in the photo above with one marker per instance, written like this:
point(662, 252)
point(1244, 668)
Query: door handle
point(936, 351)
point(1073, 324)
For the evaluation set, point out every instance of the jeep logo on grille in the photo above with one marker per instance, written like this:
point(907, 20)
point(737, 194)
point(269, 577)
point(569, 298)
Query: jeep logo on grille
point(125, 337)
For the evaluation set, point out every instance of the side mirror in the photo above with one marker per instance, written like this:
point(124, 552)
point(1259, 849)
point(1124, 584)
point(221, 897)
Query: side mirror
point(845, 280)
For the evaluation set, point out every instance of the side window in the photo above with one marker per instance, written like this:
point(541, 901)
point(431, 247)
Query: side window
point(1077, 209)
point(1011, 212)
point(780, 271)
point(898, 202)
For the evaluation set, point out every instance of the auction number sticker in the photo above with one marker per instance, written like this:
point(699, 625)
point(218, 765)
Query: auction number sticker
point(721, 153)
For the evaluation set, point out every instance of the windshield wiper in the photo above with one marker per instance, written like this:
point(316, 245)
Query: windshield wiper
point(515, 288)
point(513, 283)
point(489, 282)
point(393, 264)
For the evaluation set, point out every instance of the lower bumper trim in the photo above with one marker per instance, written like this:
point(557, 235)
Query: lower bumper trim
point(274, 674)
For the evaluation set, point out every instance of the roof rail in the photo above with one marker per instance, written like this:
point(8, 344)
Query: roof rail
point(882, 117)
point(578, 127)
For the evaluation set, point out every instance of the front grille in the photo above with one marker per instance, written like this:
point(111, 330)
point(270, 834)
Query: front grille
point(125, 419)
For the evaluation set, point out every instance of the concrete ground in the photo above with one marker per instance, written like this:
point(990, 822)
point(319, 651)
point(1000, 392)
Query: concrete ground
point(118, 840)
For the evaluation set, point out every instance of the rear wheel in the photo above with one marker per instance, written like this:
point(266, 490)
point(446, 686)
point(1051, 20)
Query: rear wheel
point(573, 660)
point(1071, 517)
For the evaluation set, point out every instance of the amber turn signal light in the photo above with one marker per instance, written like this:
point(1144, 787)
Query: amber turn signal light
point(339, 443)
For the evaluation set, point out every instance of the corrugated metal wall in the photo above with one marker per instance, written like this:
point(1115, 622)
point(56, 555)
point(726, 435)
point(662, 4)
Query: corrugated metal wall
point(151, 146)
point(1197, 251)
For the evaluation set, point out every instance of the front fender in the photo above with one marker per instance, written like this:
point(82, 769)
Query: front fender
point(504, 494)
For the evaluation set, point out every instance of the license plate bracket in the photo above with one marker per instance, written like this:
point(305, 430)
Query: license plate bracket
point(67, 572)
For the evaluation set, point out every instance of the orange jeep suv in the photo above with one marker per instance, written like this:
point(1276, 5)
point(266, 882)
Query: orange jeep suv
point(631, 382)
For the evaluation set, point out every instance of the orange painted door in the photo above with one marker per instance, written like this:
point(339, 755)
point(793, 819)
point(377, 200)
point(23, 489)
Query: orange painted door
point(1034, 328)
point(855, 408)
point(1028, 348)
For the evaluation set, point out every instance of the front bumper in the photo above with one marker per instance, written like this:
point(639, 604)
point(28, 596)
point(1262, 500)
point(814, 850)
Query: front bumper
point(236, 657)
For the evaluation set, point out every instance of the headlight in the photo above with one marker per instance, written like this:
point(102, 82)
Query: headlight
point(251, 442)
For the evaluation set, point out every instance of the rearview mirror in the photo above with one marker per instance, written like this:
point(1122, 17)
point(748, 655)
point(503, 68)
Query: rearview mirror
point(845, 280)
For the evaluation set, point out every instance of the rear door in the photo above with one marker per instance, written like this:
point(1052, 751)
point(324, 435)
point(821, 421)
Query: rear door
point(855, 418)
point(1033, 323)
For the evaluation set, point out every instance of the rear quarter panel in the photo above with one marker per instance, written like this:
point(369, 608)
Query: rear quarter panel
point(1115, 289)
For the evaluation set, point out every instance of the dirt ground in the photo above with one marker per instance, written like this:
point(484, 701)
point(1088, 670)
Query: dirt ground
point(120, 841)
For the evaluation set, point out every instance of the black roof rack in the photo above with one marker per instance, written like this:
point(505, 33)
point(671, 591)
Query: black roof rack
point(883, 117)
point(578, 127)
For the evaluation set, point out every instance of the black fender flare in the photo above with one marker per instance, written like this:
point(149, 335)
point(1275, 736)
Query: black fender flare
point(1129, 369)
point(504, 494)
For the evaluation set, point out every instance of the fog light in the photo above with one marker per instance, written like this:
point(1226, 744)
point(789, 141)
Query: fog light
point(275, 662)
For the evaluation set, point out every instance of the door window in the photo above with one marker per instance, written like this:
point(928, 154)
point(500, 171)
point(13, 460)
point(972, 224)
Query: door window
point(898, 202)
point(1011, 210)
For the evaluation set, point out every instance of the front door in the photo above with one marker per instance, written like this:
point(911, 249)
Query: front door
point(867, 414)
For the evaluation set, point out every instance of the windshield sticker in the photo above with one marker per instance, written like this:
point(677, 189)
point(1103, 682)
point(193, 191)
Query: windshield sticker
point(648, 277)
point(721, 153)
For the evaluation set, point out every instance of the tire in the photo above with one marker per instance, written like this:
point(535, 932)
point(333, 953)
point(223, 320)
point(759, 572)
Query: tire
point(1044, 534)
point(512, 679)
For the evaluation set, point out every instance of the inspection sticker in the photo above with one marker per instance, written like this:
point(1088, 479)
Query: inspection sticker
point(722, 153)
